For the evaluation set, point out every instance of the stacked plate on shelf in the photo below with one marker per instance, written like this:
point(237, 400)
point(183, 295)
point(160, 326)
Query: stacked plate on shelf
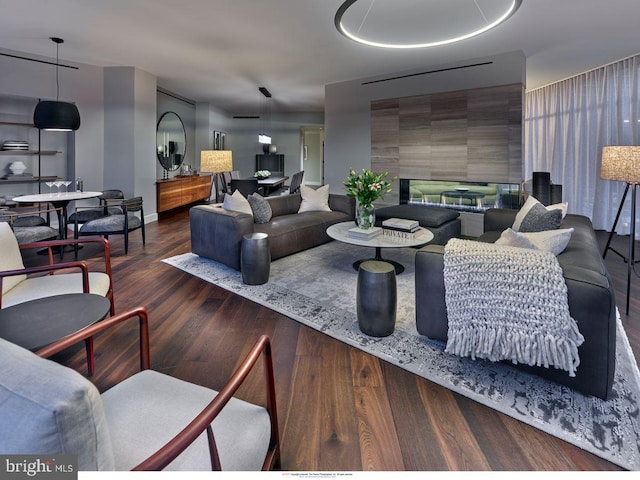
point(15, 145)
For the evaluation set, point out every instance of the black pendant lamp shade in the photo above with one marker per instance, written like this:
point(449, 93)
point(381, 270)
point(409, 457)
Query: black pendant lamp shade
point(56, 116)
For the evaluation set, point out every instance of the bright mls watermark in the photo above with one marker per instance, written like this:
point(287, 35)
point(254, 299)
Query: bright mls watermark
point(50, 467)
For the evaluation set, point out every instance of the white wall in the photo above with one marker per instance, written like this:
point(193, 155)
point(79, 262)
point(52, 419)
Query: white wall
point(129, 133)
point(347, 104)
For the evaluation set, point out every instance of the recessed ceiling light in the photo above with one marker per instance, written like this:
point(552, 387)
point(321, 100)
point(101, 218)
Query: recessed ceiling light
point(420, 23)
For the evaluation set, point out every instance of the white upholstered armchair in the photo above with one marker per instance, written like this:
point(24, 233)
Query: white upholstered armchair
point(149, 421)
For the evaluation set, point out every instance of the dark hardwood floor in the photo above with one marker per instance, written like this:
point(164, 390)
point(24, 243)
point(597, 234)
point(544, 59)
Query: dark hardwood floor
point(339, 409)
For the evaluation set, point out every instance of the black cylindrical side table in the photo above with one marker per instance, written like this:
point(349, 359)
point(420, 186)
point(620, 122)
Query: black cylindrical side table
point(255, 258)
point(376, 298)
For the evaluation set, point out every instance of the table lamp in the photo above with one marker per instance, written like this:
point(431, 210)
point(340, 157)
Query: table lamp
point(216, 162)
point(622, 164)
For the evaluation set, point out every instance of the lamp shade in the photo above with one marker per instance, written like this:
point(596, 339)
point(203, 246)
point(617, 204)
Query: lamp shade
point(621, 163)
point(216, 161)
point(56, 116)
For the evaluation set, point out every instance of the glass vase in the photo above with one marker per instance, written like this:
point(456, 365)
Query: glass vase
point(365, 216)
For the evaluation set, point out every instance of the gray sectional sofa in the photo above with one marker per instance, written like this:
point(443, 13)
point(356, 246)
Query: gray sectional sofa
point(590, 295)
point(217, 233)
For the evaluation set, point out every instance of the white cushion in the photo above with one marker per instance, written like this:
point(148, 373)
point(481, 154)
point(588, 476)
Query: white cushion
point(554, 241)
point(148, 409)
point(11, 259)
point(236, 203)
point(50, 409)
point(314, 200)
point(529, 203)
point(49, 285)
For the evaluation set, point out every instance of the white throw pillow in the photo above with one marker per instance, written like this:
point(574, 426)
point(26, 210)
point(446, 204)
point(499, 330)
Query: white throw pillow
point(554, 241)
point(314, 200)
point(531, 201)
point(236, 203)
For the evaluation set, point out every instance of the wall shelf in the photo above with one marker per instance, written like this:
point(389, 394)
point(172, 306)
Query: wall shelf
point(28, 152)
point(27, 180)
point(20, 124)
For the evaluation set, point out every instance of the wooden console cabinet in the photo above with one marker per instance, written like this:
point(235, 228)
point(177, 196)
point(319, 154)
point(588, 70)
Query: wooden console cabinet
point(179, 191)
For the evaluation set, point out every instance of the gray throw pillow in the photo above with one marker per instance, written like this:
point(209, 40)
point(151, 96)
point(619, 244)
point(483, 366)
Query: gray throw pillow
point(260, 208)
point(539, 219)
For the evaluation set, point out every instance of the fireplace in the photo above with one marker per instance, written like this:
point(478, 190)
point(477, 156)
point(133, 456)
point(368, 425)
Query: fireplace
point(461, 195)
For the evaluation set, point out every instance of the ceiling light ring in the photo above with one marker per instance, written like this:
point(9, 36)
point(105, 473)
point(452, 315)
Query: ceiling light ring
point(515, 5)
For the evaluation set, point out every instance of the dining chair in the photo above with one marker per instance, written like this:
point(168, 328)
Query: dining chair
point(31, 224)
point(83, 214)
point(148, 421)
point(296, 181)
point(131, 218)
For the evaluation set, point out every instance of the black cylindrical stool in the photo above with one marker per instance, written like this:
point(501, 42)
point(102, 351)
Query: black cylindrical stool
point(376, 298)
point(255, 258)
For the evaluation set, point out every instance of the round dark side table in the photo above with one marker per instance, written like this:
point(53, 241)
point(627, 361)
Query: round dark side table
point(37, 323)
point(255, 258)
point(376, 298)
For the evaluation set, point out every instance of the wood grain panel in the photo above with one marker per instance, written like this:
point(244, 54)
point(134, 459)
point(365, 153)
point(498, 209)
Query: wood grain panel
point(487, 120)
point(179, 191)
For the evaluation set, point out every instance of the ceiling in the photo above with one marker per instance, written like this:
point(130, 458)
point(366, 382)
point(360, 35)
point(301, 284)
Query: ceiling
point(221, 51)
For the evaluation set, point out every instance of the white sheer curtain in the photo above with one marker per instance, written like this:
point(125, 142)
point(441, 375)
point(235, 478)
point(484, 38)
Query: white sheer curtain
point(566, 126)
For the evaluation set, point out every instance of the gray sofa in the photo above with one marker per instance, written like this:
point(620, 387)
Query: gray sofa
point(217, 233)
point(590, 294)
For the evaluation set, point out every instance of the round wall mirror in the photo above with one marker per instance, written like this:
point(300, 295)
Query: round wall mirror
point(171, 141)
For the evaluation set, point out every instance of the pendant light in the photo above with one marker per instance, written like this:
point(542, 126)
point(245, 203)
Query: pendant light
point(56, 116)
point(263, 138)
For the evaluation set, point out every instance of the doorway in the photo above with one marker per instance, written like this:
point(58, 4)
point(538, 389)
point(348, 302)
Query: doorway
point(312, 154)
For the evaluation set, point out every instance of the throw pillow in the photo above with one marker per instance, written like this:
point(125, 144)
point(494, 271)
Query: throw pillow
point(260, 207)
point(531, 201)
point(314, 200)
point(236, 203)
point(511, 238)
point(554, 241)
point(539, 219)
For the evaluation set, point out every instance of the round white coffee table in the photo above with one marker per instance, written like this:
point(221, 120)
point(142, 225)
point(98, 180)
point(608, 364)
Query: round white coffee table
point(340, 232)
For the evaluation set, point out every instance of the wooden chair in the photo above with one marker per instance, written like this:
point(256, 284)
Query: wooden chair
point(149, 421)
point(120, 224)
point(85, 214)
point(19, 284)
point(31, 224)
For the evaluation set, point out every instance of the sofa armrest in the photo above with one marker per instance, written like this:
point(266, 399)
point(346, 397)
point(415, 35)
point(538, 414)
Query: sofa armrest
point(431, 308)
point(217, 233)
point(498, 219)
point(342, 203)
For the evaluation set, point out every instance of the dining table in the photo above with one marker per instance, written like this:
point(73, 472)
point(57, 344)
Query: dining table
point(271, 183)
point(59, 200)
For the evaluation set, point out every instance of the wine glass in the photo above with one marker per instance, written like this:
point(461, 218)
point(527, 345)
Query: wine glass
point(49, 184)
point(66, 185)
point(58, 183)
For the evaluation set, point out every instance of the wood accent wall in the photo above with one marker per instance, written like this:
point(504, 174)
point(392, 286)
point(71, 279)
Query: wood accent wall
point(473, 135)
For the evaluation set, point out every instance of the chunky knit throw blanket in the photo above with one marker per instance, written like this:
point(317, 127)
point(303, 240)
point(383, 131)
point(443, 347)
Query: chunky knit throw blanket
point(508, 303)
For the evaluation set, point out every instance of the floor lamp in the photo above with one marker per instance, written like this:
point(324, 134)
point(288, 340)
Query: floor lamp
point(216, 162)
point(622, 163)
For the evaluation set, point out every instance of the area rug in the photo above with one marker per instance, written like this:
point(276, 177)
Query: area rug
point(317, 287)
